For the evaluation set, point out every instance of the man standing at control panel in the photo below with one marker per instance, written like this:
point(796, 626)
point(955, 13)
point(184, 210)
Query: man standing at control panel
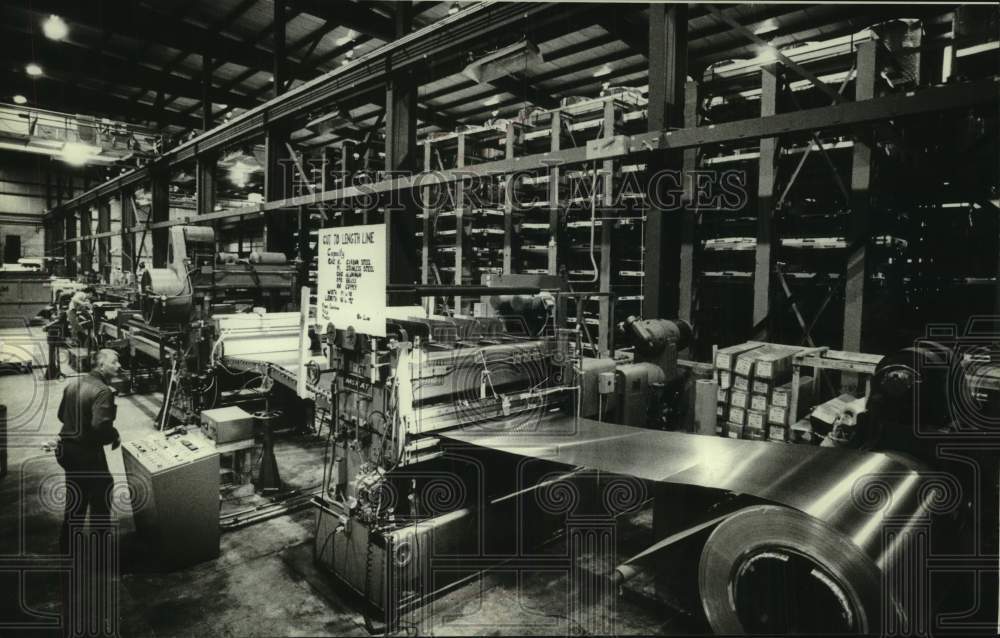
point(87, 413)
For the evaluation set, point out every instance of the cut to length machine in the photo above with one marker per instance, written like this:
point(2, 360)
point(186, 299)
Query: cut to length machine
point(459, 444)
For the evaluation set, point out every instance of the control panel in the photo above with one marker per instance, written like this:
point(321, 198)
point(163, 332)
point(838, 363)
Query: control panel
point(160, 452)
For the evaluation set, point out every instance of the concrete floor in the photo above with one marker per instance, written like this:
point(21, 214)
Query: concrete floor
point(264, 581)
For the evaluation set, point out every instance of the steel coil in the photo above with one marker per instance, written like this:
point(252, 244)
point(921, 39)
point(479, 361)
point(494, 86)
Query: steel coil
point(268, 259)
point(845, 523)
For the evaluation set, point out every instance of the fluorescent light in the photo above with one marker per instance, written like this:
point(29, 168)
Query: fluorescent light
point(765, 55)
point(78, 154)
point(239, 173)
point(766, 26)
point(20, 99)
point(33, 69)
point(602, 71)
point(344, 39)
point(55, 28)
point(979, 48)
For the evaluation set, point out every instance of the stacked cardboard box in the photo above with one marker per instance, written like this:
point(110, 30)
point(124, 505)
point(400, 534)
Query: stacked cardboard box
point(765, 369)
point(754, 389)
point(779, 418)
point(732, 399)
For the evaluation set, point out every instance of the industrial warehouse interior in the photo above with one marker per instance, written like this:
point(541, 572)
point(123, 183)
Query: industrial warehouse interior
point(499, 318)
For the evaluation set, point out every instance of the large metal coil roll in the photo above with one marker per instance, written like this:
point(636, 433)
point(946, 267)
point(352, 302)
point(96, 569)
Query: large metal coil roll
point(165, 297)
point(774, 570)
point(268, 259)
point(203, 235)
point(836, 532)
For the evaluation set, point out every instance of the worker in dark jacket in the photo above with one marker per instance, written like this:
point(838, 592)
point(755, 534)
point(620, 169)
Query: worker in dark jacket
point(87, 412)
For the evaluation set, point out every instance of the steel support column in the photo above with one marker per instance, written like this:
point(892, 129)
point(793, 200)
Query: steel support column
point(128, 237)
point(159, 184)
point(58, 248)
point(86, 245)
point(685, 303)
point(508, 204)
point(401, 157)
point(69, 224)
point(605, 333)
point(278, 170)
point(861, 178)
point(555, 143)
point(459, 278)
point(764, 258)
point(428, 227)
point(667, 76)
point(104, 243)
point(205, 184)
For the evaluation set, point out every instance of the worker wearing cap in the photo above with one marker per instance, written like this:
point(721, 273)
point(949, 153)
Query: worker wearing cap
point(87, 413)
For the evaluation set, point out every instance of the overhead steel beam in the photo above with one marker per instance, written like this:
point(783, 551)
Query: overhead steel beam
point(784, 59)
point(68, 62)
point(219, 25)
point(551, 56)
point(524, 87)
point(142, 22)
point(832, 118)
point(66, 95)
point(351, 15)
point(619, 27)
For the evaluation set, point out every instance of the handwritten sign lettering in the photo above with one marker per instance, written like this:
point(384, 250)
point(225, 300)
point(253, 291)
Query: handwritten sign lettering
point(352, 278)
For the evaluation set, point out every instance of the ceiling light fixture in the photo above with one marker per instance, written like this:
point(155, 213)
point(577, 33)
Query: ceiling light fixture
point(33, 69)
point(767, 26)
point(453, 9)
point(55, 28)
point(602, 71)
point(20, 99)
point(490, 101)
point(77, 154)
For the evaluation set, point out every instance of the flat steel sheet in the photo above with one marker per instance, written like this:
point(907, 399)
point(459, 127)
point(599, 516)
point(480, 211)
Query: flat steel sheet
point(828, 483)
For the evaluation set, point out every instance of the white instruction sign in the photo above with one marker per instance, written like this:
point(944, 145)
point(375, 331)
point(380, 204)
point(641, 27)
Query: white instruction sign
point(352, 279)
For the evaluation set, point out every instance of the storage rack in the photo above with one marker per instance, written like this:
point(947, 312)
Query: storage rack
point(970, 91)
point(463, 222)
